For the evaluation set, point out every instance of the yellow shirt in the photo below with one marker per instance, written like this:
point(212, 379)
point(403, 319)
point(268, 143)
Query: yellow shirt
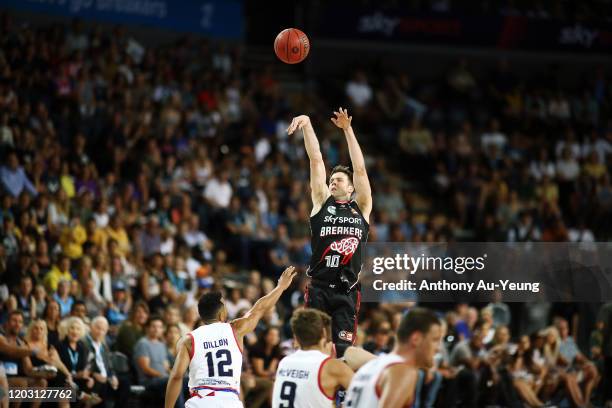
point(121, 237)
point(595, 170)
point(54, 276)
point(72, 240)
point(67, 183)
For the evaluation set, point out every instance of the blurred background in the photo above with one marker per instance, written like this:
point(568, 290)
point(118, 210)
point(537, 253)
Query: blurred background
point(145, 161)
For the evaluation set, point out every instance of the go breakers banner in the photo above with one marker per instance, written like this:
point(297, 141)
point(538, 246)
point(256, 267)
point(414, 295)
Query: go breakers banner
point(488, 271)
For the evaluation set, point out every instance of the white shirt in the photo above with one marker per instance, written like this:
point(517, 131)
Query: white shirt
point(360, 93)
point(219, 193)
point(216, 360)
point(297, 382)
point(362, 392)
point(99, 360)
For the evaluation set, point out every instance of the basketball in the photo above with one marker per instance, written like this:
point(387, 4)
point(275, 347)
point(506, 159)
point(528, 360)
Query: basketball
point(291, 46)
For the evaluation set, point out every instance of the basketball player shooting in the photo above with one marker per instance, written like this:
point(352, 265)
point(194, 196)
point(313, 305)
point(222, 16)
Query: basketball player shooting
point(213, 351)
point(339, 224)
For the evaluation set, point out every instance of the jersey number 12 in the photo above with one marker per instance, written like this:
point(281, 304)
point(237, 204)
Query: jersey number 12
point(224, 359)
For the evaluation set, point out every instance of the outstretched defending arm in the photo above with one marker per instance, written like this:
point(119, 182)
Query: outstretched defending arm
point(248, 322)
point(363, 191)
point(318, 181)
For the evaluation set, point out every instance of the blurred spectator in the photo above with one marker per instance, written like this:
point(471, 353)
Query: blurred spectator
point(152, 361)
point(14, 179)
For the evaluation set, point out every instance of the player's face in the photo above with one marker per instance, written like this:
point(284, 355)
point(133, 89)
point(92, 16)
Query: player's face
point(340, 186)
point(429, 346)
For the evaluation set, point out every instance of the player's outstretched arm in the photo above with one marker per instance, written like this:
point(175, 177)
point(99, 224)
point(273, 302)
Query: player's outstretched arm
point(318, 180)
point(175, 382)
point(398, 377)
point(356, 357)
point(248, 322)
point(363, 191)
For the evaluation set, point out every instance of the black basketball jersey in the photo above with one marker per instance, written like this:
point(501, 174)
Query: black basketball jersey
point(338, 230)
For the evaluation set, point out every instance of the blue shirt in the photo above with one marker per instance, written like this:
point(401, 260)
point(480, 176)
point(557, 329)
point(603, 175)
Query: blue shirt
point(14, 181)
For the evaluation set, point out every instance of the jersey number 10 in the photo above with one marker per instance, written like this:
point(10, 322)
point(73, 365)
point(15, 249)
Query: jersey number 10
point(221, 364)
point(332, 261)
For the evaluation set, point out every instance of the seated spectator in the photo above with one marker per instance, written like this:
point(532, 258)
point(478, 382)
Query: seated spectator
point(381, 339)
point(577, 363)
point(107, 384)
point(24, 300)
point(132, 330)
point(63, 298)
point(14, 179)
point(74, 354)
point(15, 357)
point(171, 338)
point(152, 361)
point(59, 271)
point(120, 306)
point(36, 337)
point(266, 353)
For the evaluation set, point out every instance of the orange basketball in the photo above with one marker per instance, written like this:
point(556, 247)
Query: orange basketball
point(291, 46)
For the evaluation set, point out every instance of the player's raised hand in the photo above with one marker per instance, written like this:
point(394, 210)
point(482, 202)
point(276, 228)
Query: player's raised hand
point(297, 123)
point(342, 119)
point(286, 277)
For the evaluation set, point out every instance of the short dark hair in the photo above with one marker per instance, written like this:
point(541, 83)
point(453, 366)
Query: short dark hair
point(309, 325)
point(343, 169)
point(209, 305)
point(417, 320)
point(14, 313)
point(77, 303)
point(153, 319)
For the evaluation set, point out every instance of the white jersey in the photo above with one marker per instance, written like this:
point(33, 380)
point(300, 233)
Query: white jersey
point(216, 361)
point(363, 392)
point(298, 381)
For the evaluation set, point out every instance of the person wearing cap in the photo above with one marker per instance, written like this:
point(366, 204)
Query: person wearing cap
point(119, 308)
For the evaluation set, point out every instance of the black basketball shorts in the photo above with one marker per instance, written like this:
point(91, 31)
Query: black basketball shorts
point(342, 307)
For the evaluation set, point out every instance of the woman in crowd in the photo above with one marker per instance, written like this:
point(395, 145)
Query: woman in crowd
point(132, 330)
point(74, 354)
point(52, 317)
point(36, 337)
point(266, 353)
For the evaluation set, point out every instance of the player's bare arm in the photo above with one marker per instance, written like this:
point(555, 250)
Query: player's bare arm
point(318, 184)
point(363, 191)
point(248, 322)
point(397, 377)
point(335, 374)
point(356, 357)
point(175, 381)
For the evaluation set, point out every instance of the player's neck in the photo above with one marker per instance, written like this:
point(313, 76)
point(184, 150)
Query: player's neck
point(408, 354)
point(311, 348)
point(211, 321)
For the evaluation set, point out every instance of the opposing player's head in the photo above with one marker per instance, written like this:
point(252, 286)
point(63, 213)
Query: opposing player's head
point(341, 183)
point(420, 330)
point(311, 328)
point(212, 307)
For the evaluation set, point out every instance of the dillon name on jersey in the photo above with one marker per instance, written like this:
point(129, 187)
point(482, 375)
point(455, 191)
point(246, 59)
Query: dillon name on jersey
point(363, 392)
point(298, 381)
point(216, 360)
point(338, 230)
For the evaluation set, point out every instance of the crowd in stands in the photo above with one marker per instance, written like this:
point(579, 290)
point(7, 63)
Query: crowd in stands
point(134, 179)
